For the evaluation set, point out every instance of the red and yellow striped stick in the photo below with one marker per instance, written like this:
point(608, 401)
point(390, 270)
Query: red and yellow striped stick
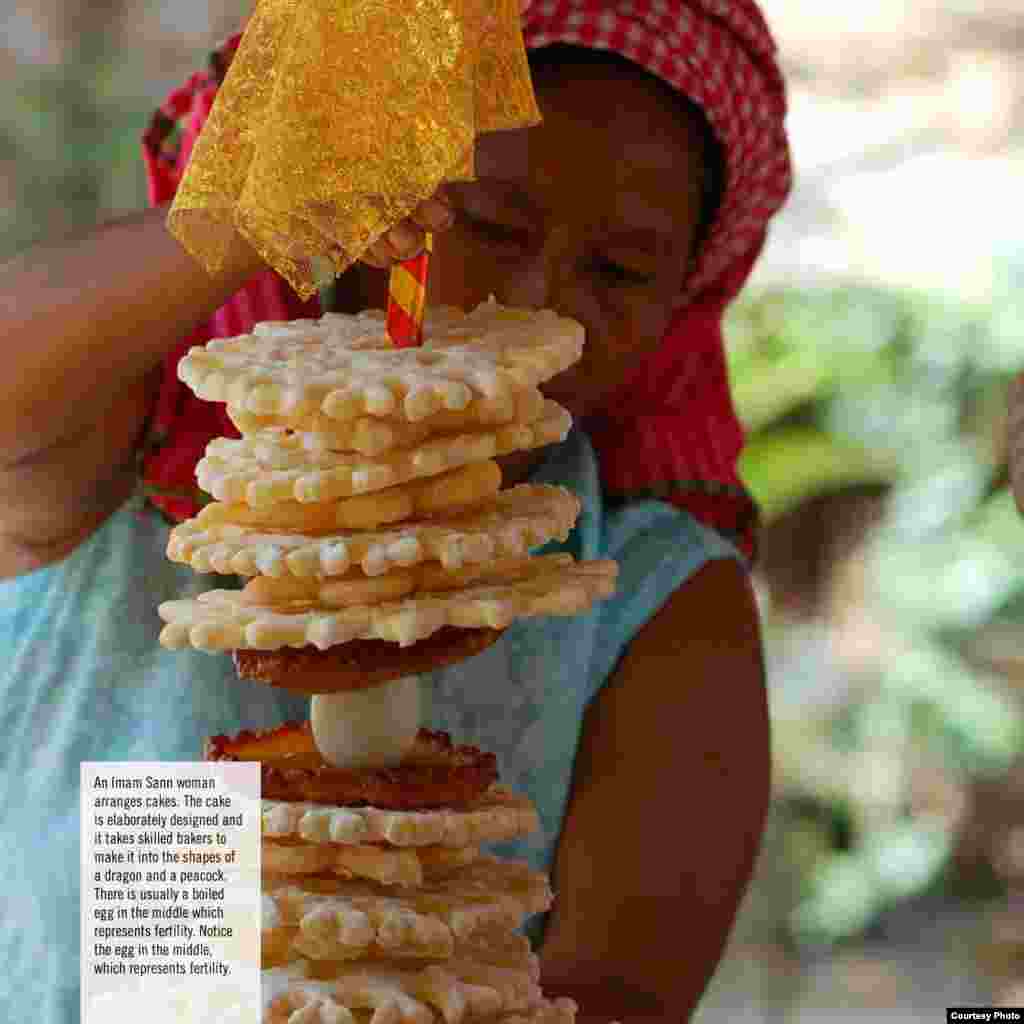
point(407, 298)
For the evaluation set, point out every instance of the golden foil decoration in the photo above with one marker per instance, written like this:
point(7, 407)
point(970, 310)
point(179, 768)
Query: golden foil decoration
point(338, 117)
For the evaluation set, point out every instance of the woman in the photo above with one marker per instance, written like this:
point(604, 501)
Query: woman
point(640, 730)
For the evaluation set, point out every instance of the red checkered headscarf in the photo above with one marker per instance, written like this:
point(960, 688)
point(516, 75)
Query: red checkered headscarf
point(671, 431)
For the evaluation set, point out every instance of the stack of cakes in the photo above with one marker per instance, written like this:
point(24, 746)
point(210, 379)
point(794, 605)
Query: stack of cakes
point(338, 948)
point(364, 504)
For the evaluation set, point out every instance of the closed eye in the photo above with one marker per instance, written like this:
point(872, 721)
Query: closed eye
point(503, 234)
point(618, 275)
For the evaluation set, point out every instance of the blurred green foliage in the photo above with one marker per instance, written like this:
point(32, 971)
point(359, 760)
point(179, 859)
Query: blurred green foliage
point(69, 135)
point(853, 385)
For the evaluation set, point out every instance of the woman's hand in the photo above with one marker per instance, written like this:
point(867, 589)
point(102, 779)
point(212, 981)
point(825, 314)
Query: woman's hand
point(407, 238)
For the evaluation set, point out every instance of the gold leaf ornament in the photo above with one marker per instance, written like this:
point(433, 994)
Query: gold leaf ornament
point(337, 118)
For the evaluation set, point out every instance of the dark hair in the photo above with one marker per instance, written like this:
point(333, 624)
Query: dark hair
point(712, 183)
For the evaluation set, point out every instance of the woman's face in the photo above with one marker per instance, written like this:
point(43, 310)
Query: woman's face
point(593, 214)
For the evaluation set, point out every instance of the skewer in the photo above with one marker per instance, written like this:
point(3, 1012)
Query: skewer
point(407, 295)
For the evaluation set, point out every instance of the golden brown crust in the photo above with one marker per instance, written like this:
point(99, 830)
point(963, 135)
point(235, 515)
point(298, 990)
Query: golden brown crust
point(359, 664)
point(434, 774)
point(261, 744)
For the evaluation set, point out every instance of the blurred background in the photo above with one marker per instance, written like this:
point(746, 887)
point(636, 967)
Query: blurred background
point(870, 359)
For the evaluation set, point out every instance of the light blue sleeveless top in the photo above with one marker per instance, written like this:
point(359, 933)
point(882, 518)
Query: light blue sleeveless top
point(82, 678)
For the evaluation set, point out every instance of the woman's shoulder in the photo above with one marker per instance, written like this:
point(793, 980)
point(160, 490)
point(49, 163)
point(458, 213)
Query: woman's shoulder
point(609, 527)
point(55, 499)
point(127, 542)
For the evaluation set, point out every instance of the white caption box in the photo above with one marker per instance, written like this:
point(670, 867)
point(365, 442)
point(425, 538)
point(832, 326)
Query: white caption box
point(170, 878)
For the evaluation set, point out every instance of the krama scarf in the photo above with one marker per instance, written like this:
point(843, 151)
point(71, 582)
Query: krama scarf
point(670, 432)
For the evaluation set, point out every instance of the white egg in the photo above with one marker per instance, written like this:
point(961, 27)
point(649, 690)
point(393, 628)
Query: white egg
point(367, 728)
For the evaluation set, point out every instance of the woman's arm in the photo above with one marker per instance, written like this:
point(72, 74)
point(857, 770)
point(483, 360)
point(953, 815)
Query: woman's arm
point(84, 319)
point(671, 789)
point(85, 324)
